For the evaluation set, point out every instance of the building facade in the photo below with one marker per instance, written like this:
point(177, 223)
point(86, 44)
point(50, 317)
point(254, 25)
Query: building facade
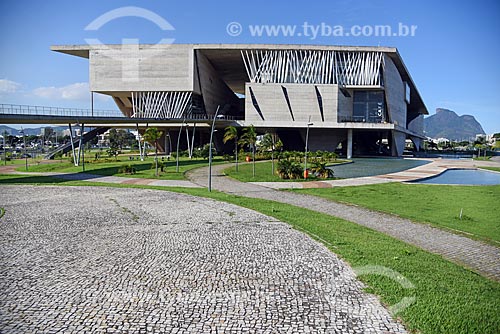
point(361, 100)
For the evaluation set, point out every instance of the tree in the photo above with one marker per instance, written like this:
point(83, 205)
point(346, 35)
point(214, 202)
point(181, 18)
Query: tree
point(152, 135)
point(114, 143)
point(120, 138)
point(48, 132)
point(112, 150)
point(271, 142)
point(249, 138)
point(232, 134)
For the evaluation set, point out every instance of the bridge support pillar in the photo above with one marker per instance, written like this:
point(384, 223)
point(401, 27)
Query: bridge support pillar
point(349, 143)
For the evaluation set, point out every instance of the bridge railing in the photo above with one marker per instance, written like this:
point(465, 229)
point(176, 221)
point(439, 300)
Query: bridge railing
point(19, 109)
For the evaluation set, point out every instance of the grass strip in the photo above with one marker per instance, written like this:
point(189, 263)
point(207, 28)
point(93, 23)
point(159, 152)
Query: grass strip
point(438, 205)
point(495, 169)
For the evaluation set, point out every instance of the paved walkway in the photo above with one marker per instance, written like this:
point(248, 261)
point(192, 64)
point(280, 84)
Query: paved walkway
point(145, 261)
point(475, 255)
point(124, 180)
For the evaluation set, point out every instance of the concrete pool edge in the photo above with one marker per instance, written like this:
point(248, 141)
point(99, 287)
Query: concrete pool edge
point(434, 168)
point(473, 183)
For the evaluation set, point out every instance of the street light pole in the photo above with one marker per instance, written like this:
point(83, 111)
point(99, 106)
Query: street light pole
point(4, 149)
point(178, 143)
point(307, 140)
point(25, 153)
point(83, 148)
point(210, 150)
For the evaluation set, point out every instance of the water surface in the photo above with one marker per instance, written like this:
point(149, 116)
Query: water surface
point(464, 177)
point(375, 166)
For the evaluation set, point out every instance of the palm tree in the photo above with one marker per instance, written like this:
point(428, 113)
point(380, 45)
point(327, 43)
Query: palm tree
point(152, 135)
point(270, 141)
point(250, 138)
point(321, 171)
point(232, 134)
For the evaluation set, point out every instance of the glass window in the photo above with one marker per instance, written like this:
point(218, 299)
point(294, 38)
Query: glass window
point(369, 106)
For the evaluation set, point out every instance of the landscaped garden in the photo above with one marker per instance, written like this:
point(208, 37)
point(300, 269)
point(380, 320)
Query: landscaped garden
point(127, 166)
point(287, 166)
point(448, 298)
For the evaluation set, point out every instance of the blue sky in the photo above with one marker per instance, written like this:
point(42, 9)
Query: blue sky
point(453, 57)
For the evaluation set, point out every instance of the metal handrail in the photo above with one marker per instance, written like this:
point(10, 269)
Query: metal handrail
point(19, 109)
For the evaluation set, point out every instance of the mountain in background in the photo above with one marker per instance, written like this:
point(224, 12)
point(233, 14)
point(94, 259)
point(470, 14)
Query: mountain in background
point(29, 131)
point(447, 124)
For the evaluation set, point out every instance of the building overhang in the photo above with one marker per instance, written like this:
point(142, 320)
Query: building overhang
point(227, 60)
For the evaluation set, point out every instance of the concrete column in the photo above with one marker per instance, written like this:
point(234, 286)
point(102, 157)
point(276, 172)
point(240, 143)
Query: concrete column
point(349, 143)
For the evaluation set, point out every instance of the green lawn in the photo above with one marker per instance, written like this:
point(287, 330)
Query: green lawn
point(263, 172)
point(449, 298)
point(31, 161)
point(495, 169)
point(438, 205)
point(143, 168)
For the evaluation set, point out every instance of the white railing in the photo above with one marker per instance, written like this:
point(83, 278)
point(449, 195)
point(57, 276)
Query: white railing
point(17, 109)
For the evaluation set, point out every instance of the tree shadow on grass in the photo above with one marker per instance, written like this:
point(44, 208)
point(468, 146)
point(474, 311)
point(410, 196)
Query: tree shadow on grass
point(30, 179)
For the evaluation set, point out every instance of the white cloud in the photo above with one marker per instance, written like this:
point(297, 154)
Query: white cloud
point(8, 86)
point(76, 92)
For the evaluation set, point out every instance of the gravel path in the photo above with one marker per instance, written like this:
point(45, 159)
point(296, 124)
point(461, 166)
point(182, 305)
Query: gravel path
point(108, 260)
point(476, 255)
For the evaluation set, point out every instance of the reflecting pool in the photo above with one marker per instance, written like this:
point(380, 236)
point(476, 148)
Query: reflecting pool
point(465, 177)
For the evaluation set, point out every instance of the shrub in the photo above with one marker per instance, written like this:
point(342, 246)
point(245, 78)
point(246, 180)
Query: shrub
point(161, 166)
point(204, 151)
point(127, 169)
point(289, 169)
point(319, 170)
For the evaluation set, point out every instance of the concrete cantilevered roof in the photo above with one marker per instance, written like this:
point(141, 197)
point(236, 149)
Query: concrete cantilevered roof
point(227, 60)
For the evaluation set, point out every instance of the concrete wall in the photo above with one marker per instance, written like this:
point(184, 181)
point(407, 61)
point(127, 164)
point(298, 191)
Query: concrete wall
point(143, 68)
point(394, 93)
point(303, 101)
point(213, 89)
point(398, 143)
point(324, 139)
point(417, 124)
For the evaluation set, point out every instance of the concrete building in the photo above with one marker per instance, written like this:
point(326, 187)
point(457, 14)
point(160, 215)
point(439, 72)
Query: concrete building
point(356, 98)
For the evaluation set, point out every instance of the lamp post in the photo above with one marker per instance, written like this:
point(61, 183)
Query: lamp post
point(25, 153)
point(305, 154)
point(4, 148)
point(83, 147)
point(178, 143)
point(210, 150)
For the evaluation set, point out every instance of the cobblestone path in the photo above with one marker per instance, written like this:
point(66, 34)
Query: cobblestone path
point(108, 260)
